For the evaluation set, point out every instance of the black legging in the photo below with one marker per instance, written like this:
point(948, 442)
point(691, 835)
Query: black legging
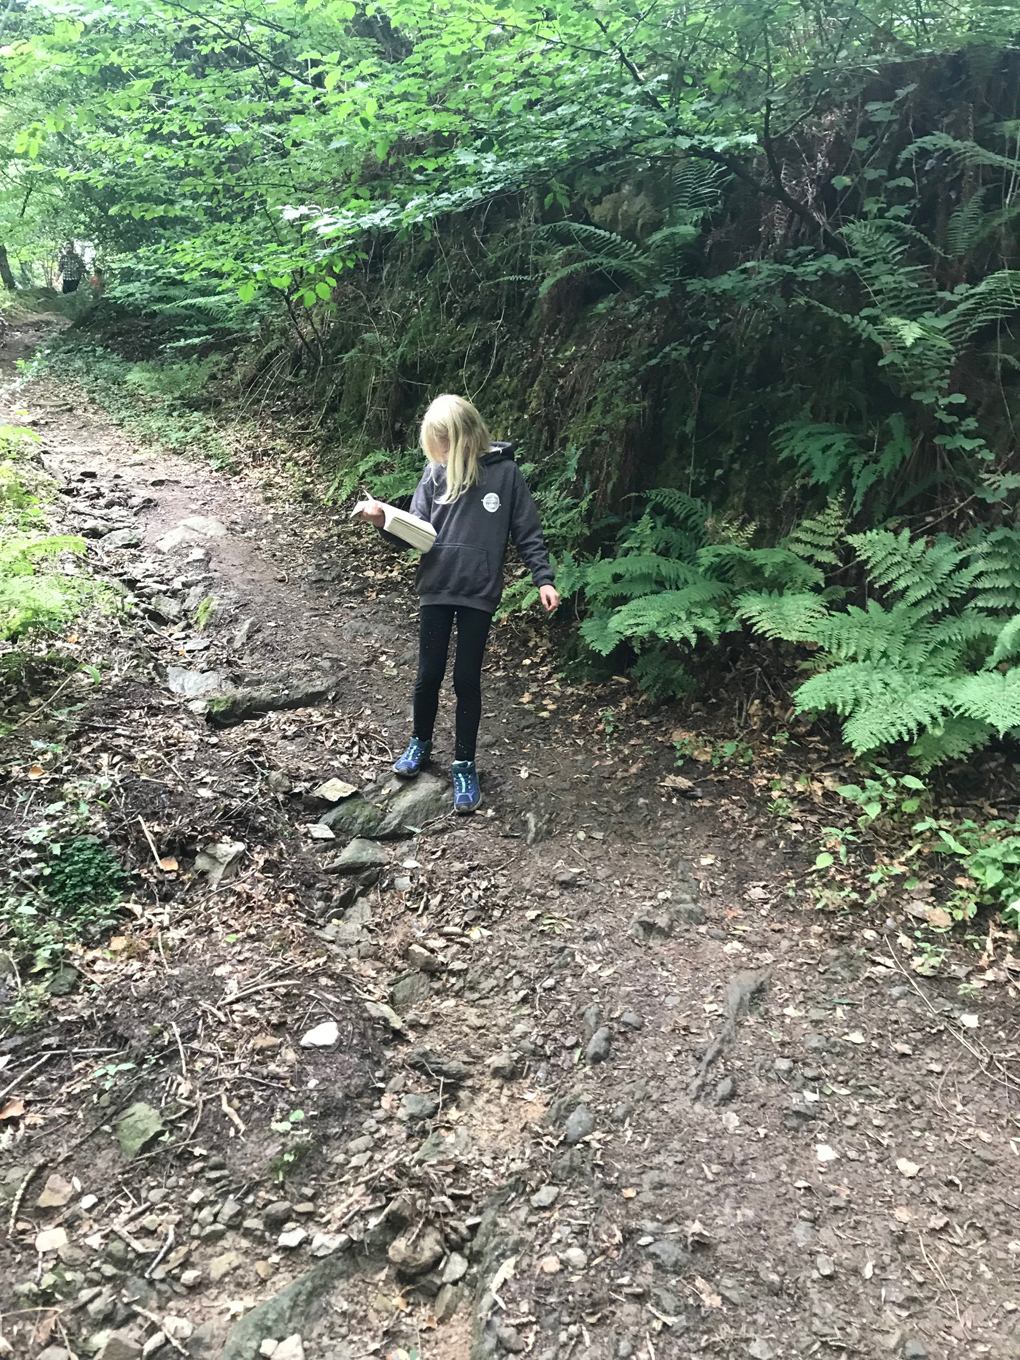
point(435, 627)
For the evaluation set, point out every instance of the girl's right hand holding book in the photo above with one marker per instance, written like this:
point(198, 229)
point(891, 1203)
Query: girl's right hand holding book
point(372, 513)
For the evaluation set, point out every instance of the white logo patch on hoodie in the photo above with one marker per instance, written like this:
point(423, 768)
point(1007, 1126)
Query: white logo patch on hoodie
point(491, 502)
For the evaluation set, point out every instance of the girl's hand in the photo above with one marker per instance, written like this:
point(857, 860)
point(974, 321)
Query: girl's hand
point(373, 513)
point(550, 598)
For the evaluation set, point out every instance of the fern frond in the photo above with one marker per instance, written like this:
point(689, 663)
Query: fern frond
point(789, 616)
point(675, 615)
point(1007, 642)
point(949, 740)
point(915, 570)
point(968, 224)
point(993, 298)
point(690, 512)
point(996, 559)
point(697, 188)
point(816, 538)
point(990, 697)
point(750, 568)
point(968, 152)
point(636, 574)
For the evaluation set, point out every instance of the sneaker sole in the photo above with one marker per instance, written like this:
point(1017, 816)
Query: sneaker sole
point(411, 774)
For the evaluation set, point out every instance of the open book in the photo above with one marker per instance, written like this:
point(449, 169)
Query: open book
point(414, 531)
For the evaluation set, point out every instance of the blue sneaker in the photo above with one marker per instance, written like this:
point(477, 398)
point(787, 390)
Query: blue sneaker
point(466, 793)
point(414, 759)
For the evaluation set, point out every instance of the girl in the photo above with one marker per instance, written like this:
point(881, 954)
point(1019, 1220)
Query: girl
point(473, 495)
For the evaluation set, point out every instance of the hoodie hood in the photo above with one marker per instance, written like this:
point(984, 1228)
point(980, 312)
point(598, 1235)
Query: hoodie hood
point(500, 452)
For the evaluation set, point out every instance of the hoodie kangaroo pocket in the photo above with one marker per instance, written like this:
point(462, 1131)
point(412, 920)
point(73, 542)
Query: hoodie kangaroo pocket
point(455, 569)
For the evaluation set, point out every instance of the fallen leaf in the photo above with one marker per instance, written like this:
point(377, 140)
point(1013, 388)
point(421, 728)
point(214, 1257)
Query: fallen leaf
point(708, 1298)
point(906, 1167)
point(855, 1037)
point(14, 1109)
point(168, 864)
point(629, 1193)
point(902, 1214)
point(939, 918)
point(35, 772)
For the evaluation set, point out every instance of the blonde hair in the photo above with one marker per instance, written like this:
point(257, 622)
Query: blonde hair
point(454, 436)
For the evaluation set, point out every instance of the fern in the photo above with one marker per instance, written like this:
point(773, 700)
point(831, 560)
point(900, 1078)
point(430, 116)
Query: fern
point(788, 616)
point(991, 698)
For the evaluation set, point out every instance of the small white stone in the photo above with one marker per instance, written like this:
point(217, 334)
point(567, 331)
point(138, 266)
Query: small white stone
point(291, 1348)
point(322, 1036)
point(291, 1239)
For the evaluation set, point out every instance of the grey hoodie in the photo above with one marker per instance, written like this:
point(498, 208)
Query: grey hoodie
point(465, 564)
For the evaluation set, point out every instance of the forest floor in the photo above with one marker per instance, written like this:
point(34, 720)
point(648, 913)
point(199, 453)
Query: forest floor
point(594, 1076)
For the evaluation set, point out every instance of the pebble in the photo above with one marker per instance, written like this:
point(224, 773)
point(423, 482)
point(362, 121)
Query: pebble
point(277, 1213)
point(415, 1108)
point(915, 1350)
point(455, 1269)
point(292, 1239)
point(223, 1265)
point(782, 1067)
point(725, 1090)
point(631, 1020)
point(322, 1036)
point(546, 1197)
point(503, 1066)
point(291, 1348)
point(669, 1254)
point(579, 1125)
point(825, 1266)
point(575, 1258)
point(549, 1265)
point(230, 1213)
point(599, 1045)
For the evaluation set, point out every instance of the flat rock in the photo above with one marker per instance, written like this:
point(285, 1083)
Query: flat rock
point(121, 538)
point(455, 1269)
point(436, 1065)
point(137, 1127)
point(224, 1264)
point(230, 709)
point(193, 530)
point(669, 1254)
point(415, 1108)
point(50, 1239)
point(322, 1036)
point(219, 860)
point(416, 1252)
point(409, 991)
point(580, 1123)
point(55, 1193)
point(416, 803)
point(334, 790)
point(361, 854)
point(290, 1348)
point(119, 1347)
point(297, 1305)
point(546, 1197)
point(195, 684)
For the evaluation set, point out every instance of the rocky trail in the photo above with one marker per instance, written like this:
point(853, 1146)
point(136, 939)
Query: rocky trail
point(580, 1076)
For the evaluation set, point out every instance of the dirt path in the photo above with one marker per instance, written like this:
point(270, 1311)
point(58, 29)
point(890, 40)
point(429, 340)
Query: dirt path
point(519, 1135)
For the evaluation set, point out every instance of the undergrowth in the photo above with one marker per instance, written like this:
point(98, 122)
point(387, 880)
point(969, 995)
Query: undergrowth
point(146, 399)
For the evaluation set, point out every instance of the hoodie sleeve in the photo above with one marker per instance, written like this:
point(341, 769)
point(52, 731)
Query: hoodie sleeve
point(421, 505)
point(526, 532)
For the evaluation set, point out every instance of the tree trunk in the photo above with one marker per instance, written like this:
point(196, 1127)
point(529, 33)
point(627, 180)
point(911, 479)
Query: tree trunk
point(6, 277)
